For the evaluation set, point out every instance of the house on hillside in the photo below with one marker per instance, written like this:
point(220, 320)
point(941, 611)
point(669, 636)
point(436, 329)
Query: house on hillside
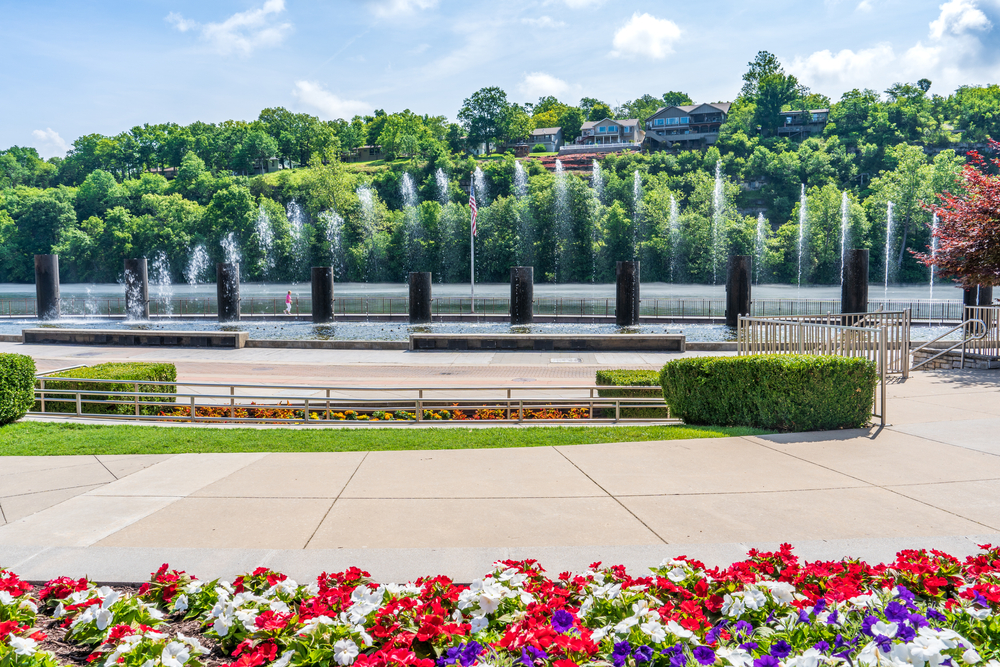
point(362, 154)
point(552, 137)
point(607, 131)
point(802, 123)
point(686, 126)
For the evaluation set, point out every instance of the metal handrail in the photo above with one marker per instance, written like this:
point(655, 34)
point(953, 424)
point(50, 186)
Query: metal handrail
point(961, 342)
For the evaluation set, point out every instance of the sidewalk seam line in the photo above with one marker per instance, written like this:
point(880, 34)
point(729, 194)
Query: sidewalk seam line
point(62, 488)
point(620, 503)
point(884, 488)
point(330, 508)
point(103, 465)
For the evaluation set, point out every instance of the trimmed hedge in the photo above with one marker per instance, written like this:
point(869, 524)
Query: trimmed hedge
point(624, 378)
point(17, 386)
point(783, 392)
point(126, 373)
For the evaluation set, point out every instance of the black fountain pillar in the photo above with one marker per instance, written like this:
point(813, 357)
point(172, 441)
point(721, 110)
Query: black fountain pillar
point(627, 293)
point(322, 294)
point(978, 295)
point(47, 286)
point(420, 297)
point(737, 288)
point(227, 285)
point(522, 294)
point(854, 288)
point(136, 289)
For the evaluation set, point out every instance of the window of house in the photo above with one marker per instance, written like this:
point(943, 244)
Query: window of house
point(659, 121)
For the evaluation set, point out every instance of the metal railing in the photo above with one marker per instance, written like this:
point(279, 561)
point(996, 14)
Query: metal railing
point(661, 307)
point(978, 329)
point(204, 402)
point(897, 326)
point(988, 344)
point(758, 335)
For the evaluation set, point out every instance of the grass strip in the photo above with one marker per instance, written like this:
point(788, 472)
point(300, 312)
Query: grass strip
point(43, 439)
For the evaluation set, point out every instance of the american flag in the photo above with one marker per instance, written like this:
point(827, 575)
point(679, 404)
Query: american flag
point(472, 204)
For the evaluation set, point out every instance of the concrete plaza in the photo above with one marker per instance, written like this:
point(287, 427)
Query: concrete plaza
point(930, 479)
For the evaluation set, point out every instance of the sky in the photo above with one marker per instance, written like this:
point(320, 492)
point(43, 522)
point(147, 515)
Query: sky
point(75, 67)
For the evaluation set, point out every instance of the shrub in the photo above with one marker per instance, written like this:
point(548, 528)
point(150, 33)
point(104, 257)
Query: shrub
point(783, 392)
point(538, 148)
point(17, 386)
point(623, 378)
point(126, 375)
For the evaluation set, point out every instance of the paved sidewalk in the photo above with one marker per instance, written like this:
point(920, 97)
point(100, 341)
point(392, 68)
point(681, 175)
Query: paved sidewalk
point(932, 478)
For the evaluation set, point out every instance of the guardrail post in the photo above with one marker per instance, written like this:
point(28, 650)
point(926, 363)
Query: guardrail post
point(43, 395)
point(136, 399)
point(194, 416)
point(520, 411)
point(883, 364)
point(232, 403)
point(305, 412)
point(618, 409)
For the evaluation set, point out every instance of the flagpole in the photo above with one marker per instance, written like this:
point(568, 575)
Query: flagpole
point(472, 244)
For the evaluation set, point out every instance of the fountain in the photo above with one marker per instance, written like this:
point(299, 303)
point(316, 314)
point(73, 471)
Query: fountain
point(162, 285)
point(845, 218)
point(934, 247)
point(369, 227)
point(759, 245)
point(265, 240)
point(334, 230)
point(230, 248)
point(297, 223)
point(888, 245)
point(718, 204)
point(482, 189)
point(197, 265)
point(636, 212)
point(597, 180)
point(520, 180)
point(136, 289)
point(675, 233)
point(412, 227)
point(803, 221)
point(441, 179)
point(563, 223)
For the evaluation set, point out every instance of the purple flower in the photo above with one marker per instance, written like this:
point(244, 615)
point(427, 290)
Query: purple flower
point(704, 655)
point(622, 650)
point(905, 633)
point(918, 621)
point(819, 606)
point(766, 661)
point(905, 593)
point(562, 621)
point(884, 643)
point(643, 654)
point(896, 613)
point(781, 649)
point(749, 646)
point(981, 601)
point(535, 654)
point(866, 625)
point(804, 616)
point(470, 653)
point(678, 660)
point(934, 614)
point(822, 647)
point(742, 628)
point(833, 617)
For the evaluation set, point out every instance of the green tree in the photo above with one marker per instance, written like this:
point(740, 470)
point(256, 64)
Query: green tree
point(485, 115)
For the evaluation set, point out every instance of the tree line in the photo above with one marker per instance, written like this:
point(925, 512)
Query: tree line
point(107, 200)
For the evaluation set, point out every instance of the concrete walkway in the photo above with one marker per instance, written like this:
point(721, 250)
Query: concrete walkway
point(931, 479)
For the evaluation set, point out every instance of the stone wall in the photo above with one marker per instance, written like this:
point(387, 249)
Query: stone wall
point(953, 360)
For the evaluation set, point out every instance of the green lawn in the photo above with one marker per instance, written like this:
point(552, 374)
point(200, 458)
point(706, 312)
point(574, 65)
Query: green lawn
point(40, 439)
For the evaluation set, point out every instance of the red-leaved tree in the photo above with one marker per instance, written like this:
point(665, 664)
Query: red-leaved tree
point(968, 230)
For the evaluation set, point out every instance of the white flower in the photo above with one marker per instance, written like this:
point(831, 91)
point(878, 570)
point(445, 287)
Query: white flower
point(313, 624)
point(6, 599)
point(654, 630)
point(674, 628)
point(175, 654)
point(736, 657)
point(811, 658)
point(283, 661)
point(180, 603)
point(191, 641)
point(478, 623)
point(732, 605)
point(600, 633)
point(971, 657)
point(22, 645)
point(625, 624)
point(781, 591)
point(194, 587)
point(222, 624)
point(677, 575)
point(345, 651)
point(887, 629)
point(978, 613)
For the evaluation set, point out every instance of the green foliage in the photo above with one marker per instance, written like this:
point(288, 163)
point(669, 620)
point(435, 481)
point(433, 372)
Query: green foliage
point(125, 375)
point(785, 392)
point(17, 385)
point(538, 148)
point(631, 378)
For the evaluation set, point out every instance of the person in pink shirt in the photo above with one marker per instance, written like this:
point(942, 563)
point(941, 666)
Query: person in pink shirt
point(288, 303)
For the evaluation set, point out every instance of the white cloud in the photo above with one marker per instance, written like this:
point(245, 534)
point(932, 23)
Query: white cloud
point(394, 8)
point(242, 32)
point(959, 17)
point(50, 144)
point(864, 6)
point(581, 4)
point(314, 95)
point(543, 22)
point(540, 84)
point(952, 55)
point(646, 36)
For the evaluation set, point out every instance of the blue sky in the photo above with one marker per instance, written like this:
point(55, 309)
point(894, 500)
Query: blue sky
point(74, 67)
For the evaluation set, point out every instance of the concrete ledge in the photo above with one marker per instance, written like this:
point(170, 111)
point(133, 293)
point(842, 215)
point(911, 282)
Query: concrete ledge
point(545, 342)
point(330, 344)
point(711, 346)
point(11, 338)
point(223, 339)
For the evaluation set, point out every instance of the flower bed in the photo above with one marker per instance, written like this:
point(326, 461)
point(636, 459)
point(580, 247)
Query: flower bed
point(455, 414)
point(771, 610)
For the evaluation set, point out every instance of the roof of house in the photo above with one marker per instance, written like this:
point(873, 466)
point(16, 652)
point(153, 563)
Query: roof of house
point(688, 108)
point(593, 123)
point(795, 111)
point(545, 130)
